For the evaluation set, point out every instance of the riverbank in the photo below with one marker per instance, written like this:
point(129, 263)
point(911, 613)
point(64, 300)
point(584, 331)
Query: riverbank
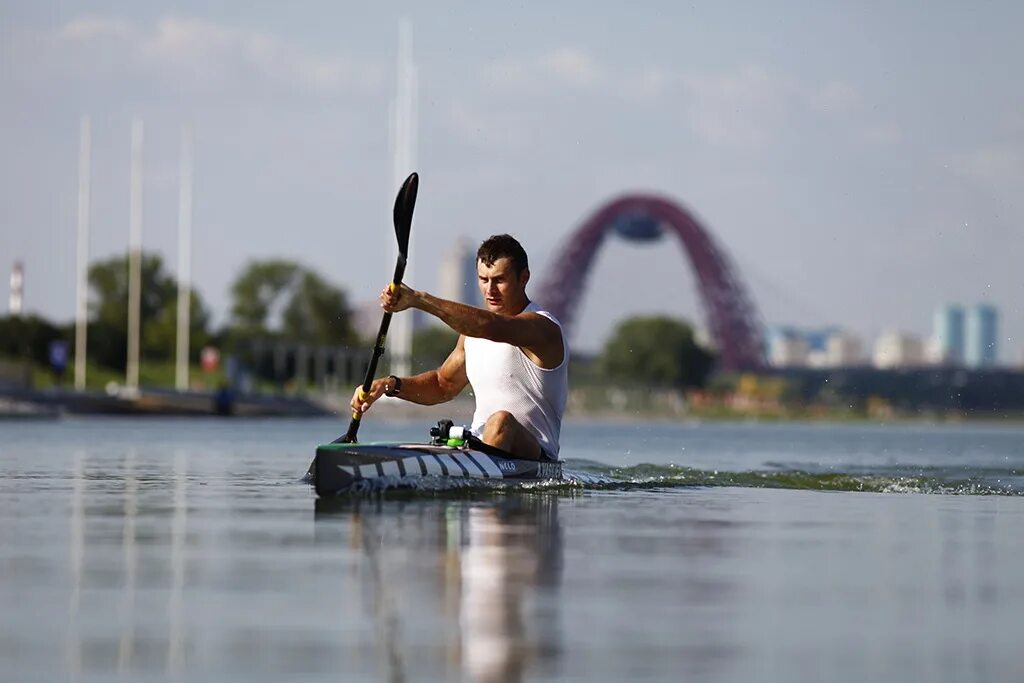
point(614, 405)
point(53, 403)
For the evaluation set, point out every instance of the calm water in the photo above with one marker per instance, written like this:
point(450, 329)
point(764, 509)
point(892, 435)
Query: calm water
point(186, 549)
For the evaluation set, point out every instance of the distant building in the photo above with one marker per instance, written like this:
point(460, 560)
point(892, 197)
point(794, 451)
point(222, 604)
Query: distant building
point(787, 348)
point(17, 299)
point(457, 276)
point(981, 349)
point(948, 335)
point(789, 352)
point(898, 350)
point(935, 355)
point(843, 349)
point(829, 347)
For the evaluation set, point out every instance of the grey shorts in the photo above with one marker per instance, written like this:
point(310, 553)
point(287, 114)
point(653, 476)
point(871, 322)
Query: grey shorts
point(545, 456)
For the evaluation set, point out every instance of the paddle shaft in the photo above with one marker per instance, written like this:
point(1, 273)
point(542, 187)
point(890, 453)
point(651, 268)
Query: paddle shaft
point(378, 351)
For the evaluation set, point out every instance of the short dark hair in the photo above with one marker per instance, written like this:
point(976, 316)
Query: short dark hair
point(503, 246)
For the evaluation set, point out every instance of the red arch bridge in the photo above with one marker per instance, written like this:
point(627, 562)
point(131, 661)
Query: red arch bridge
point(731, 316)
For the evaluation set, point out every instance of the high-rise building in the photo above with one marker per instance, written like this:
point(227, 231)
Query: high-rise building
point(981, 343)
point(948, 335)
point(457, 274)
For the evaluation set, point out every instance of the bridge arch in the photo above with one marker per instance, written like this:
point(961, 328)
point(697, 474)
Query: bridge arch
point(731, 316)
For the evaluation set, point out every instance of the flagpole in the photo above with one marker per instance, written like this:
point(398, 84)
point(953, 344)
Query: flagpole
point(135, 258)
point(184, 259)
point(403, 162)
point(82, 255)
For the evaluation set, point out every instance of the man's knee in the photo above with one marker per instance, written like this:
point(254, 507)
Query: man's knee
point(501, 420)
point(503, 430)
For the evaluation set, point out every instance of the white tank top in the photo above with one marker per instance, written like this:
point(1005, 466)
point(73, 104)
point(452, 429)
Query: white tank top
point(504, 378)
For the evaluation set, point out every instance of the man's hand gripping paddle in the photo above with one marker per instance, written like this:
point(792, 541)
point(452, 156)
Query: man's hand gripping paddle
point(405, 202)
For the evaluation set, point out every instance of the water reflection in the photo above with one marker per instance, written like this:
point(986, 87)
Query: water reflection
point(73, 645)
point(131, 508)
point(95, 569)
point(158, 563)
point(496, 566)
point(179, 526)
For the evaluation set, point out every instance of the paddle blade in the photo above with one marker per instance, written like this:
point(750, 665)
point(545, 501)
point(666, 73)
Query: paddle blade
point(405, 202)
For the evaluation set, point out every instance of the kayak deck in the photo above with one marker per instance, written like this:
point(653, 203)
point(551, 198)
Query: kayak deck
point(345, 467)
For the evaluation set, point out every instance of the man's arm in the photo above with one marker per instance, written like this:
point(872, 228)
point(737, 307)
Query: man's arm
point(428, 388)
point(531, 332)
point(440, 385)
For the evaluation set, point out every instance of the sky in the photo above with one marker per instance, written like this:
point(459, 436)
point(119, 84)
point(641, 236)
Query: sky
point(861, 163)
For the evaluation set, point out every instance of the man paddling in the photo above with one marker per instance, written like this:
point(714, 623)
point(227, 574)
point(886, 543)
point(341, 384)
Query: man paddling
point(512, 352)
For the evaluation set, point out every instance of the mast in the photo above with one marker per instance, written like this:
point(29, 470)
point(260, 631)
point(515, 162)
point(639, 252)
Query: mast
point(403, 162)
point(184, 259)
point(135, 258)
point(82, 255)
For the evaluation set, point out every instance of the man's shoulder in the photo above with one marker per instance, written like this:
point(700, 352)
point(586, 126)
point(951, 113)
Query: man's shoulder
point(552, 328)
point(535, 311)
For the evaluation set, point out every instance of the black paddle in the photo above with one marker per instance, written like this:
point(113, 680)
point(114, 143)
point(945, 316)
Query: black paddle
point(405, 202)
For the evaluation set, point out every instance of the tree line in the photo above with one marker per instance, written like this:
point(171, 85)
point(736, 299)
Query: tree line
point(272, 300)
point(279, 300)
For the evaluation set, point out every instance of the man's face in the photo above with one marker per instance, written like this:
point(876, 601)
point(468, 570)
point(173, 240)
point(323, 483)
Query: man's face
point(501, 288)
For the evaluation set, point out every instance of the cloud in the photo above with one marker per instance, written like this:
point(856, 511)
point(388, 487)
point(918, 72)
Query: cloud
point(568, 92)
point(194, 55)
point(573, 66)
point(572, 69)
point(558, 68)
point(881, 134)
point(750, 106)
point(755, 106)
point(91, 28)
point(744, 108)
point(836, 97)
point(493, 130)
point(991, 164)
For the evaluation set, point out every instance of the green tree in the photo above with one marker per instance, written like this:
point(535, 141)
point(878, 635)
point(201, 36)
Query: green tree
point(310, 309)
point(317, 311)
point(160, 334)
point(657, 351)
point(29, 336)
point(108, 282)
point(431, 345)
point(260, 285)
point(108, 312)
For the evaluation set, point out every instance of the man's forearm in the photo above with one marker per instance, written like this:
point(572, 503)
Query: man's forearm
point(424, 389)
point(467, 320)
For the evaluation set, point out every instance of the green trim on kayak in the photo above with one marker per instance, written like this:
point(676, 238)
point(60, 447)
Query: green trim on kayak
point(343, 446)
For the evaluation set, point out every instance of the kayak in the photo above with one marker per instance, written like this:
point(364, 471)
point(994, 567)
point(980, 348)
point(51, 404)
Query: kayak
point(353, 467)
point(342, 468)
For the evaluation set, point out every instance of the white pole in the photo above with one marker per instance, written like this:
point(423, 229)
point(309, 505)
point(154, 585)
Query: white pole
point(17, 298)
point(404, 162)
point(135, 258)
point(82, 269)
point(184, 258)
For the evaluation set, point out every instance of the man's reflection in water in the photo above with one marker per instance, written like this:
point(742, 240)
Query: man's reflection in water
point(509, 553)
point(498, 562)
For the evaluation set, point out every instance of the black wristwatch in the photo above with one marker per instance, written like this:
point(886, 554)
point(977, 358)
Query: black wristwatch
point(396, 386)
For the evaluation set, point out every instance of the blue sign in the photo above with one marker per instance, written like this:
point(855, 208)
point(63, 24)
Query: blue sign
point(59, 355)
